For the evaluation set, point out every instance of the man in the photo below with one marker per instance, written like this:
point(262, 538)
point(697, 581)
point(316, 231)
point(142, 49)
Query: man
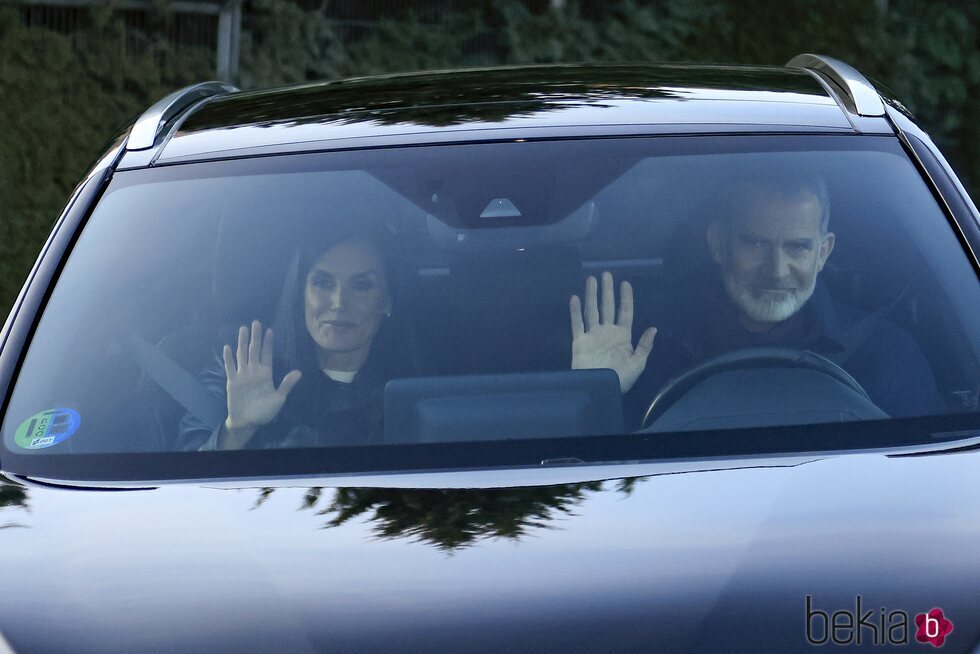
point(770, 241)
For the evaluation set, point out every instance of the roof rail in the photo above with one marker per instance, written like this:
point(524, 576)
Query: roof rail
point(856, 92)
point(148, 126)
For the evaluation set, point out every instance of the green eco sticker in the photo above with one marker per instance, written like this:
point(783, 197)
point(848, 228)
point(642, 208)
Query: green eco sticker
point(47, 428)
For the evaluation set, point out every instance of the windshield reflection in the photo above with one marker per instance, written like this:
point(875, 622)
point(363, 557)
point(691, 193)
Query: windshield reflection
point(477, 96)
point(453, 519)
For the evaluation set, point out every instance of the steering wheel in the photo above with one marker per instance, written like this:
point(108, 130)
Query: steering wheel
point(754, 357)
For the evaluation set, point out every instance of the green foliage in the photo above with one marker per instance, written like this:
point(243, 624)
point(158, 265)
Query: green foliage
point(287, 45)
point(936, 72)
point(410, 44)
point(630, 31)
point(61, 102)
point(62, 97)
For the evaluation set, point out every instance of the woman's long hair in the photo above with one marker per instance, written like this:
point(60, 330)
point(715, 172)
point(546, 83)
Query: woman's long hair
point(294, 347)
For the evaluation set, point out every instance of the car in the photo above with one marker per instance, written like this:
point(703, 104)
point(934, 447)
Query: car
point(551, 358)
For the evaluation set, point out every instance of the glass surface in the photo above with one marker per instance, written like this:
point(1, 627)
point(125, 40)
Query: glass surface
point(383, 273)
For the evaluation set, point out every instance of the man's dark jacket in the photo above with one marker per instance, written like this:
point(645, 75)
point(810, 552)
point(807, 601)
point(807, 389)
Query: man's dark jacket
point(879, 354)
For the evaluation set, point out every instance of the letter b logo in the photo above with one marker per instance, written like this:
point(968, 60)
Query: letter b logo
point(933, 627)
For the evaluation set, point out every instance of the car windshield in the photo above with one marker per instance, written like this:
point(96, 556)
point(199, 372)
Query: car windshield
point(424, 307)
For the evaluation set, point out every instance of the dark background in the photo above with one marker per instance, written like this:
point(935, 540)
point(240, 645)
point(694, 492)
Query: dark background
point(71, 76)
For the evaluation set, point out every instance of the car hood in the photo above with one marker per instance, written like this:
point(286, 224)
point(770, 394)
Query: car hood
point(710, 560)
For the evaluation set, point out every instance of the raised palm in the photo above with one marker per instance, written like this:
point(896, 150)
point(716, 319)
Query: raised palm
point(253, 399)
point(601, 339)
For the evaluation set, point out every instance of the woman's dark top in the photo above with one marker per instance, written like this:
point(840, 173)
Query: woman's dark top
point(319, 411)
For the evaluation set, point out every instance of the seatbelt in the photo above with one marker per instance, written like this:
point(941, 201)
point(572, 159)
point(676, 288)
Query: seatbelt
point(178, 383)
point(862, 330)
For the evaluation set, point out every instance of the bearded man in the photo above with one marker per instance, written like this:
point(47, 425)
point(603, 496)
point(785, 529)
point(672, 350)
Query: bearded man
point(769, 240)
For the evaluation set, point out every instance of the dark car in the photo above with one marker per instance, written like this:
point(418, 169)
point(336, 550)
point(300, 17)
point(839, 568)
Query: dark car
point(567, 358)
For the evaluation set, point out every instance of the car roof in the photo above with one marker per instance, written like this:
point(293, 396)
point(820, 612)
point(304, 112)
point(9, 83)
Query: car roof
point(506, 103)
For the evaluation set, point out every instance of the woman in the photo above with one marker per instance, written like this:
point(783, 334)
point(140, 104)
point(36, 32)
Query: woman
point(330, 346)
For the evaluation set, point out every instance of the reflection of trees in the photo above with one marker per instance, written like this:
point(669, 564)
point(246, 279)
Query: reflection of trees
point(480, 95)
point(451, 519)
point(13, 496)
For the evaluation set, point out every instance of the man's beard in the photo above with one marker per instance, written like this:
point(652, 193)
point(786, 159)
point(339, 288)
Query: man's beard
point(768, 306)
